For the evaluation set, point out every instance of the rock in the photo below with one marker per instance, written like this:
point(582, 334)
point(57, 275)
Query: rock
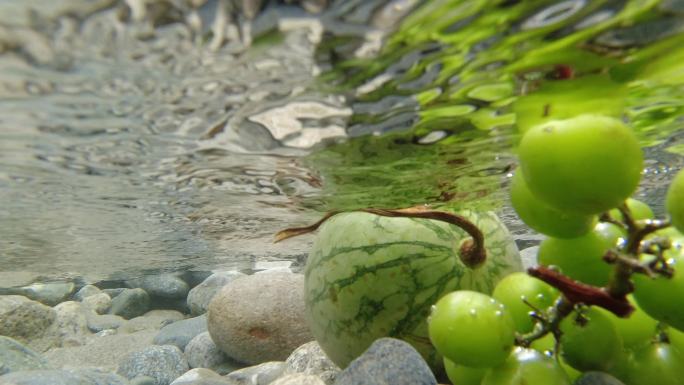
point(100, 302)
point(100, 352)
point(194, 278)
point(163, 285)
point(202, 352)
point(194, 375)
point(200, 296)
point(143, 380)
point(259, 318)
point(152, 320)
point(261, 374)
point(181, 332)
point(388, 361)
point(130, 303)
point(62, 377)
point(310, 359)
point(529, 256)
point(298, 379)
point(15, 357)
point(24, 319)
point(86, 291)
point(114, 292)
point(100, 322)
point(50, 293)
point(71, 324)
point(163, 363)
point(597, 378)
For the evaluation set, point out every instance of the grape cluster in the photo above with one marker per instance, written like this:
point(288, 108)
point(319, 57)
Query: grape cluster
point(605, 252)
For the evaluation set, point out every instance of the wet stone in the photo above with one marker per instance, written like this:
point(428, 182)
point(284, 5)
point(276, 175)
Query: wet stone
point(130, 303)
point(86, 291)
point(298, 379)
point(193, 376)
point(62, 377)
point(16, 357)
point(164, 285)
point(200, 296)
point(50, 293)
point(24, 319)
point(163, 363)
point(310, 359)
point(181, 332)
point(100, 302)
point(202, 352)
point(100, 322)
point(388, 361)
point(261, 374)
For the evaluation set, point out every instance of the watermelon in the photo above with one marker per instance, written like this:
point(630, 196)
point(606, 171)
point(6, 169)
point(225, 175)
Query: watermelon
point(371, 276)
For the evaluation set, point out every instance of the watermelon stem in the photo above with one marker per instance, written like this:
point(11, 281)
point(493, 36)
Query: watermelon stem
point(472, 252)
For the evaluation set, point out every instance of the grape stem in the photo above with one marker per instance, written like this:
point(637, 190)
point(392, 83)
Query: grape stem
point(613, 297)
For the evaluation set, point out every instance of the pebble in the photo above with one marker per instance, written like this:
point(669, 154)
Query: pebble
point(388, 361)
point(15, 357)
point(24, 319)
point(130, 303)
point(100, 322)
point(143, 380)
point(71, 325)
point(62, 377)
point(86, 291)
point(259, 318)
point(162, 285)
point(153, 319)
point(114, 292)
point(298, 379)
point(202, 352)
point(164, 363)
point(194, 375)
point(310, 359)
point(49, 293)
point(181, 332)
point(100, 302)
point(261, 374)
point(597, 378)
point(200, 296)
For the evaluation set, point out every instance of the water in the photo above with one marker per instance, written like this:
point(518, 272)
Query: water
point(136, 143)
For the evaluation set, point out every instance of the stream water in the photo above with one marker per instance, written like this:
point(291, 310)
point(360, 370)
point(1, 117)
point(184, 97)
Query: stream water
point(134, 140)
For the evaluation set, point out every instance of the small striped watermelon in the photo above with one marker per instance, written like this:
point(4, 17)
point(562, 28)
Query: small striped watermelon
point(371, 276)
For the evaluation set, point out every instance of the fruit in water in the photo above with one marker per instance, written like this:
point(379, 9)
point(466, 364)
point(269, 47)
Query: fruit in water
point(587, 164)
point(663, 298)
point(526, 367)
point(590, 342)
point(516, 289)
point(463, 375)
point(370, 276)
point(674, 202)
point(580, 258)
point(472, 329)
point(637, 209)
point(657, 363)
point(544, 218)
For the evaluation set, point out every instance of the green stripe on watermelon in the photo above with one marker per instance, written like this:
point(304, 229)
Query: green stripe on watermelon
point(370, 276)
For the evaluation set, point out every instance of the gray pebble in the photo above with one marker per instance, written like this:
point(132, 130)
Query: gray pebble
point(143, 380)
point(15, 357)
point(163, 363)
point(200, 296)
point(100, 322)
point(202, 352)
point(298, 379)
point(310, 359)
point(163, 285)
point(261, 374)
point(130, 303)
point(388, 361)
point(181, 332)
point(100, 302)
point(86, 291)
point(50, 293)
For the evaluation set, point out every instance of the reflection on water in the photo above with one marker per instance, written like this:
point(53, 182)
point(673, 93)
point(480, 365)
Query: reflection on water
point(138, 136)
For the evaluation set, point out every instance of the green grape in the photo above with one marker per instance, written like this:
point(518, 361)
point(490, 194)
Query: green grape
point(611, 231)
point(463, 375)
point(588, 164)
point(516, 287)
point(580, 258)
point(636, 330)
point(571, 372)
point(545, 344)
point(544, 218)
point(674, 202)
point(657, 363)
point(637, 209)
point(526, 367)
point(663, 298)
point(676, 339)
point(591, 343)
point(471, 329)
